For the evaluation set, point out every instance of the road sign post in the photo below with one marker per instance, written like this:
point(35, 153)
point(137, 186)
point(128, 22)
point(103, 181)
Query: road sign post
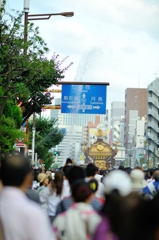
point(84, 99)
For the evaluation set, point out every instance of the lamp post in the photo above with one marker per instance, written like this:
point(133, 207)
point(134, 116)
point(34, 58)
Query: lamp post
point(32, 17)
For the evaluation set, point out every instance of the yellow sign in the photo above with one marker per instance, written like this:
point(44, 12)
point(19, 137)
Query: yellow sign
point(81, 157)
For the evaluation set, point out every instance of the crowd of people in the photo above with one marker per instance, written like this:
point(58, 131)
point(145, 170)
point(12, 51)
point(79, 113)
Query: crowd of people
point(77, 203)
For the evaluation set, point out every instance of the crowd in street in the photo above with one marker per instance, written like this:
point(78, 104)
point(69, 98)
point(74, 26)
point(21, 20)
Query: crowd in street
point(77, 203)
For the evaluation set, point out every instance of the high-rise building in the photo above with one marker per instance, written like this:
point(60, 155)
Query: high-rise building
point(117, 113)
point(71, 144)
point(153, 121)
point(135, 106)
point(117, 110)
point(118, 132)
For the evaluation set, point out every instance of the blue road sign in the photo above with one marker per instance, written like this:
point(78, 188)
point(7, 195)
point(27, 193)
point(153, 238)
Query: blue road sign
point(86, 99)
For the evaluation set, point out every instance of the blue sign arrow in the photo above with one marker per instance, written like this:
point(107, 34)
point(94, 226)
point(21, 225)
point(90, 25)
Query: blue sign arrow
point(86, 99)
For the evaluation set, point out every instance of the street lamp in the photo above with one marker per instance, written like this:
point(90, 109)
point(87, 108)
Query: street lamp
point(32, 17)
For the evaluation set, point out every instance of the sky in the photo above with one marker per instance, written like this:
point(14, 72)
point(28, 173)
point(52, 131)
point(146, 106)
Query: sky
point(107, 40)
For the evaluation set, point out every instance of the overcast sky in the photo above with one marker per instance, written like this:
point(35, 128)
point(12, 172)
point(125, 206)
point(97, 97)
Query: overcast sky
point(116, 41)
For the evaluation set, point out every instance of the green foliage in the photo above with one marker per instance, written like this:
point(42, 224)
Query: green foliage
point(49, 160)
point(9, 133)
point(47, 136)
point(25, 72)
point(10, 124)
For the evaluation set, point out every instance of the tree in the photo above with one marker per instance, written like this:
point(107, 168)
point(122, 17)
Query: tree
point(10, 125)
point(24, 77)
point(48, 135)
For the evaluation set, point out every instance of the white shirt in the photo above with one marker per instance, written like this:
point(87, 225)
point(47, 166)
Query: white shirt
point(66, 192)
point(51, 200)
point(21, 218)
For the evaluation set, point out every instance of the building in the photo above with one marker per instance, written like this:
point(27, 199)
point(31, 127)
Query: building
point(117, 113)
point(117, 110)
point(153, 121)
point(71, 144)
point(139, 134)
point(138, 142)
point(135, 106)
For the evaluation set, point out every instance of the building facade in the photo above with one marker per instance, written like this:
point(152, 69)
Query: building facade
point(117, 110)
point(153, 122)
point(117, 113)
point(135, 106)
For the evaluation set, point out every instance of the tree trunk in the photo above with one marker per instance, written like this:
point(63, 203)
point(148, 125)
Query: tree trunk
point(2, 105)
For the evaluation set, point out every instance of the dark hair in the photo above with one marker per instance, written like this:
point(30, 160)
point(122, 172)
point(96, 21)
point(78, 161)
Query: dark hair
point(156, 175)
point(93, 183)
point(57, 183)
point(66, 170)
point(91, 170)
point(69, 161)
point(14, 168)
point(81, 191)
point(121, 167)
point(75, 173)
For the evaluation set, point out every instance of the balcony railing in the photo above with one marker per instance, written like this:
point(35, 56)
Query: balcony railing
point(153, 125)
point(154, 114)
point(153, 89)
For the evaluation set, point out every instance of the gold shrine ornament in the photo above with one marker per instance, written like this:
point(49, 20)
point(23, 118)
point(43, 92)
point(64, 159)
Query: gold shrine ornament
point(100, 147)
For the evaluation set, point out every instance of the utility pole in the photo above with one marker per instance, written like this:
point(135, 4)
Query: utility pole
point(32, 17)
point(26, 11)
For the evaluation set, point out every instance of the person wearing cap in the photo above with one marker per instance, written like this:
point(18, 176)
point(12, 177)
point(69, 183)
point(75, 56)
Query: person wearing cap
point(19, 216)
point(117, 184)
point(138, 180)
point(43, 179)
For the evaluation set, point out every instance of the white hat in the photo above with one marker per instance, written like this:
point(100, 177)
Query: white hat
point(137, 178)
point(119, 180)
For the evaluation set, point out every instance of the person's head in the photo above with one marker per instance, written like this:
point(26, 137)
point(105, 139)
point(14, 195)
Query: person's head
point(139, 168)
point(69, 162)
point(81, 191)
point(93, 184)
point(137, 178)
point(66, 170)
point(57, 182)
point(75, 173)
point(16, 171)
point(91, 170)
point(43, 179)
point(150, 173)
point(49, 175)
point(117, 180)
point(156, 175)
point(121, 167)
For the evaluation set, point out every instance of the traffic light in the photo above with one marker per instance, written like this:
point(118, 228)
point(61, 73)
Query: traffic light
point(55, 152)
